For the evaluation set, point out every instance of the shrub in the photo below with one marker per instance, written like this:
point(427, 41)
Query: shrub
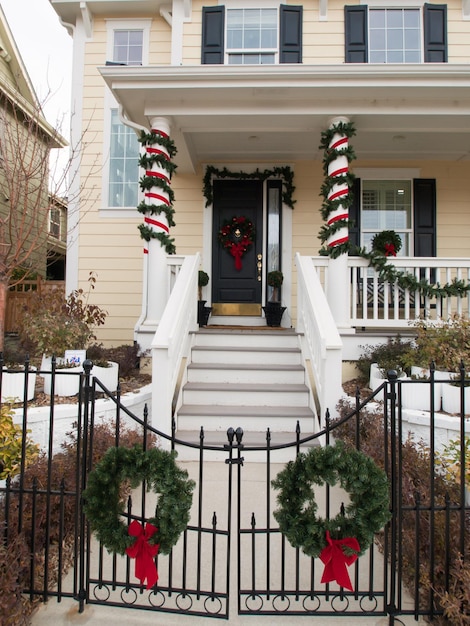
point(445, 343)
point(11, 444)
point(52, 324)
point(55, 524)
point(417, 484)
point(393, 355)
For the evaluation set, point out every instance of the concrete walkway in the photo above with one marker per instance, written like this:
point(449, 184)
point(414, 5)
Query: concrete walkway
point(215, 499)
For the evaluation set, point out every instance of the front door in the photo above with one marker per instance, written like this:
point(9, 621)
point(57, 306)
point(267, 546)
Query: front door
point(236, 283)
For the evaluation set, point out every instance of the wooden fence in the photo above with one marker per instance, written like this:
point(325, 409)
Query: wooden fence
point(19, 297)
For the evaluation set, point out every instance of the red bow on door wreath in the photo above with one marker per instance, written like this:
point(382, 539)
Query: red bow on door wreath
point(236, 236)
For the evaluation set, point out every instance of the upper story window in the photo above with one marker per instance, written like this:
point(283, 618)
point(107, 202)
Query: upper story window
point(252, 35)
point(54, 222)
point(128, 47)
point(396, 35)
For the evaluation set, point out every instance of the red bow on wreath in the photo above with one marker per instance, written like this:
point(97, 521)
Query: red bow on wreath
point(143, 552)
point(336, 561)
point(390, 250)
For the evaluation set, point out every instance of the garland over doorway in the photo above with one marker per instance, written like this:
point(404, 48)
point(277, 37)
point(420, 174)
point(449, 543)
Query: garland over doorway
point(284, 173)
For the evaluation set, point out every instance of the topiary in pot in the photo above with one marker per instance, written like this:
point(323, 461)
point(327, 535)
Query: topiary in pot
point(203, 311)
point(273, 310)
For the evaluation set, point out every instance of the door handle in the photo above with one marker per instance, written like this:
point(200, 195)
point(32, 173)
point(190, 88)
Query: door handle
point(259, 266)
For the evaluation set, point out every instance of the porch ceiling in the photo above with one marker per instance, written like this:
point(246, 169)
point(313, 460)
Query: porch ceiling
point(277, 113)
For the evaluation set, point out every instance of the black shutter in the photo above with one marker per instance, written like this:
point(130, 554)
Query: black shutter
point(435, 33)
point(355, 215)
point(290, 45)
point(355, 34)
point(424, 211)
point(213, 26)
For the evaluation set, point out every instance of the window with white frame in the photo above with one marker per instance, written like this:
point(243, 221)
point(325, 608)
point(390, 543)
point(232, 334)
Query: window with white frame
point(128, 46)
point(395, 35)
point(123, 164)
point(252, 36)
point(54, 222)
point(387, 205)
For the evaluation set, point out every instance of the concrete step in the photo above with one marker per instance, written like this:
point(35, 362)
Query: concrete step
point(245, 355)
point(287, 338)
point(246, 394)
point(250, 418)
point(241, 373)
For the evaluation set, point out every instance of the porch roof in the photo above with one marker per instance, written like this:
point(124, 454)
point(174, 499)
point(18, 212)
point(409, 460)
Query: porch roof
point(277, 113)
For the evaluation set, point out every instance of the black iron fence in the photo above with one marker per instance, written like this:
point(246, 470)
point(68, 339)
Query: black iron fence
point(233, 541)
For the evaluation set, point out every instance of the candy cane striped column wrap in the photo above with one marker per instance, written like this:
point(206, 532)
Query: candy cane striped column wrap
point(157, 195)
point(338, 168)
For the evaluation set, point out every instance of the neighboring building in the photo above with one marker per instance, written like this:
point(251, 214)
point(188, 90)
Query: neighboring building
point(26, 139)
point(244, 86)
point(57, 238)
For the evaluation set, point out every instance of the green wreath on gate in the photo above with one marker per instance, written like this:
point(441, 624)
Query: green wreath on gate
point(104, 502)
point(367, 486)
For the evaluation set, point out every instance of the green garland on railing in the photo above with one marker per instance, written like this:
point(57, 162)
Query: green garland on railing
point(284, 173)
point(377, 260)
point(148, 182)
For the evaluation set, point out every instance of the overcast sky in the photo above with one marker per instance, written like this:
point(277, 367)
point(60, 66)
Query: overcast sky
point(46, 50)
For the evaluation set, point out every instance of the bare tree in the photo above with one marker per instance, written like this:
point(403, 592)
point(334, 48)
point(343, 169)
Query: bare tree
point(26, 141)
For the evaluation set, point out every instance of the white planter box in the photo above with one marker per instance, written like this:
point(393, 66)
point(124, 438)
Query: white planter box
point(64, 384)
point(13, 384)
point(107, 375)
point(376, 379)
point(451, 398)
point(417, 396)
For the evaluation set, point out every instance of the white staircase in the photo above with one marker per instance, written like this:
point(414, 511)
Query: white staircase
point(248, 378)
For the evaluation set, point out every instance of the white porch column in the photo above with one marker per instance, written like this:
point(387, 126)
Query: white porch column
point(337, 290)
point(155, 278)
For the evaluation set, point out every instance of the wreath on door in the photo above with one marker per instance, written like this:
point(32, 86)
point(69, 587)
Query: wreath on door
point(236, 236)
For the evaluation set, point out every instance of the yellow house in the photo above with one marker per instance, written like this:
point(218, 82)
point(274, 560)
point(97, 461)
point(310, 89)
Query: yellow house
point(264, 107)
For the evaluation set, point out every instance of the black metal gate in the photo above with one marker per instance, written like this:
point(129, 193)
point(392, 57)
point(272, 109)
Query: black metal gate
point(232, 546)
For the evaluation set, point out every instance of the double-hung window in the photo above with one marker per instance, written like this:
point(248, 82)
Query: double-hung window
point(396, 35)
point(127, 45)
point(252, 36)
point(386, 205)
point(249, 35)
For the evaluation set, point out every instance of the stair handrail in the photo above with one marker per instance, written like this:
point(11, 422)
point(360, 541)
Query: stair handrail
point(321, 342)
point(171, 343)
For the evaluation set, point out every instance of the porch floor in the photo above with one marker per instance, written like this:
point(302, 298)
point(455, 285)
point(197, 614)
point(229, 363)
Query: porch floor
point(66, 612)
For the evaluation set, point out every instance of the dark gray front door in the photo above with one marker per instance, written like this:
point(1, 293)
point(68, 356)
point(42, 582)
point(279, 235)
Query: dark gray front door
point(236, 288)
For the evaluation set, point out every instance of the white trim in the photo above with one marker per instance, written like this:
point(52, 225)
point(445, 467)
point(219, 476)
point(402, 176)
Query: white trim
point(128, 24)
point(387, 173)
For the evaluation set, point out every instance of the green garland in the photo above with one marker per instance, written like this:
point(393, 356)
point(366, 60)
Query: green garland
point(377, 259)
point(103, 501)
point(285, 173)
point(367, 485)
point(148, 182)
point(328, 206)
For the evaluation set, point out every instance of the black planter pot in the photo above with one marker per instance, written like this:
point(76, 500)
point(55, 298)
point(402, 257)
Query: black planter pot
point(203, 312)
point(273, 312)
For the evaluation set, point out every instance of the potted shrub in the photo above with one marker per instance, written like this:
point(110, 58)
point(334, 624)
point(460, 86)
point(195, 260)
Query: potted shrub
point(203, 311)
point(15, 365)
point(107, 372)
point(273, 310)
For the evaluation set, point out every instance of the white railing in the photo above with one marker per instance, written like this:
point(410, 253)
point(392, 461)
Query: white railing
point(321, 342)
point(375, 303)
point(171, 343)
